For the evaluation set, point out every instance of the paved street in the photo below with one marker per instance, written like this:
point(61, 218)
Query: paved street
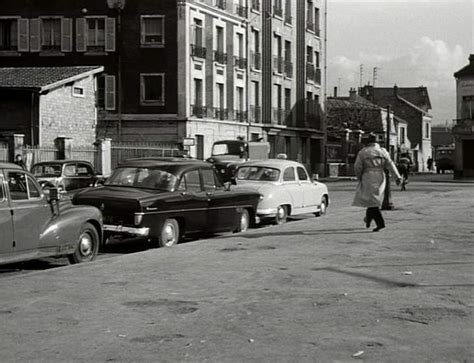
point(314, 289)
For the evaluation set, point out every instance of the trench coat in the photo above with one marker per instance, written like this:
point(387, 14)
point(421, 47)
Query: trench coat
point(369, 168)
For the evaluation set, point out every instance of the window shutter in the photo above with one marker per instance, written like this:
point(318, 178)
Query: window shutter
point(110, 35)
point(23, 35)
point(110, 92)
point(80, 35)
point(66, 36)
point(35, 41)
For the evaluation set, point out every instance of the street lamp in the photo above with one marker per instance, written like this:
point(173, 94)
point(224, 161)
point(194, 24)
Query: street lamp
point(387, 201)
point(118, 5)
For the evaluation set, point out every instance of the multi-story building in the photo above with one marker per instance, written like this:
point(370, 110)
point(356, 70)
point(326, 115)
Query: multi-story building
point(463, 129)
point(192, 69)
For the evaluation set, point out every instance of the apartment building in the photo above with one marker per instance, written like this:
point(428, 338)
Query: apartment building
point(200, 70)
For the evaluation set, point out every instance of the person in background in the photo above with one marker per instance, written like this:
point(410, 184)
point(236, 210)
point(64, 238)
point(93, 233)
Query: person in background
point(19, 161)
point(429, 164)
point(369, 167)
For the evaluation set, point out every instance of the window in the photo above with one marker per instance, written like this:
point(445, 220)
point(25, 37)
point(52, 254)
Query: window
point(22, 187)
point(152, 89)
point(289, 174)
point(153, 30)
point(70, 170)
point(220, 95)
point(84, 170)
point(33, 190)
point(302, 175)
point(8, 34)
point(467, 108)
point(198, 92)
point(316, 58)
point(220, 39)
point(78, 91)
point(402, 135)
point(288, 99)
point(191, 182)
point(240, 99)
point(95, 34)
point(51, 34)
point(309, 54)
point(198, 33)
point(427, 130)
point(209, 180)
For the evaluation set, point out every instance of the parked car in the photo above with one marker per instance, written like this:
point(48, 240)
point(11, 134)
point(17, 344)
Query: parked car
point(163, 199)
point(66, 175)
point(285, 187)
point(444, 158)
point(34, 225)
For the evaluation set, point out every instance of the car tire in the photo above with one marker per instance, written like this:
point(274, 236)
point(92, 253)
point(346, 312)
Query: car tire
point(169, 235)
point(281, 215)
point(87, 246)
point(244, 221)
point(323, 207)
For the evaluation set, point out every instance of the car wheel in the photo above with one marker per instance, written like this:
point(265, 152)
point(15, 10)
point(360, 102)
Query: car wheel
point(281, 215)
point(88, 245)
point(169, 234)
point(322, 208)
point(244, 221)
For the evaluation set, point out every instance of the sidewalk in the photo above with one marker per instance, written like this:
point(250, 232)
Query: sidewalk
point(312, 290)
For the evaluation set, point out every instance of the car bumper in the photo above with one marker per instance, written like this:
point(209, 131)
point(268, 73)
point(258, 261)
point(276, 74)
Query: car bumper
point(140, 231)
point(267, 212)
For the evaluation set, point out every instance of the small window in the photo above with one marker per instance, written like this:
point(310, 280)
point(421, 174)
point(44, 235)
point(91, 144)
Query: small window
point(33, 189)
point(77, 91)
point(208, 179)
point(8, 34)
point(70, 170)
point(302, 175)
point(95, 35)
point(51, 34)
point(193, 183)
point(84, 170)
point(153, 30)
point(17, 185)
point(152, 89)
point(289, 174)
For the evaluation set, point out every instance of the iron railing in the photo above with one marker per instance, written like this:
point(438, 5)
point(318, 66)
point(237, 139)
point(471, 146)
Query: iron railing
point(220, 57)
point(278, 65)
point(221, 4)
point(198, 51)
point(240, 62)
point(277, 11)
point(255, 114)
point(288, 69)
point(256, 60)
point(241, 11)
point(198, 111)
point(240, 115)
point(255, 5)
point(221, 113)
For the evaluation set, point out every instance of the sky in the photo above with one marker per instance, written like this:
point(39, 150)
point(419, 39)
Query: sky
point(410, 43)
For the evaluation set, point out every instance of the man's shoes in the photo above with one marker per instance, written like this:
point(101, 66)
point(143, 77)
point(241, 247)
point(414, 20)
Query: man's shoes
point(367, 224)
point(376, 229)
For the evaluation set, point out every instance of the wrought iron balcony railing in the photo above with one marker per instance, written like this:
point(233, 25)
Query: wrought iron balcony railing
point(278, 65)
point(256, 60)
point(288, 69)
point(277, 11)
point(198, 51)
point(198, 111)
point(255, 114)
point(241, 11)
point(221, 113)
point(220, 57)
point(240, 115)
point(255, 5)
point(240, 62)
point(221, 4)
point(310, 72)
point(310, 25)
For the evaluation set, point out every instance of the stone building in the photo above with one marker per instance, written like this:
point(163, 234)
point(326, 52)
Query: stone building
point(196, 69)
point(50, 102)
point(463, 129)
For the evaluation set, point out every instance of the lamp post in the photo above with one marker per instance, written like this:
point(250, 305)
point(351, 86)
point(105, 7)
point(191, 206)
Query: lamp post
point(118, 5)
point(387, 200)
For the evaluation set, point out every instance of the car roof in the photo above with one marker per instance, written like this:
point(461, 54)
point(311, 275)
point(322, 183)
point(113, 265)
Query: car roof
point(161, 161)
point(7, 165)
point(272, 163)
point(61, 162)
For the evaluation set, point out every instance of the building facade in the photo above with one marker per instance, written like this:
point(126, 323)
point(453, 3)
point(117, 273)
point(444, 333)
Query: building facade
point(204, 70)
point(463, 129)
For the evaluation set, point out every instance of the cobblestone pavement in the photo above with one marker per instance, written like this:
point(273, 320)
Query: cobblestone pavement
point(315, 289)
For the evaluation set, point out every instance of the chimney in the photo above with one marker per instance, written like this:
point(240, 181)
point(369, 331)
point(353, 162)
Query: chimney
point(335, 91)
point(395, 90)
point(352, 94)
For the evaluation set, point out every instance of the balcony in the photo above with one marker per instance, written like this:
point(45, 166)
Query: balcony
point(310, 25)
point(313, 114)
point(241, 11)
point(221, 113)
point(278, 116)
point(277, 11)
point(240, 62)
point(198, 51)
point(198, 111)
point(278, 65)
point(221, 4)
point(288, 69)
point(240, 116)
point(256, 60)
point(255, 5)
point(220, 57)
point(255, 114)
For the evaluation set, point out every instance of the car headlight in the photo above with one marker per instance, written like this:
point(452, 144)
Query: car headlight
point(262, 196)
point(138, 218)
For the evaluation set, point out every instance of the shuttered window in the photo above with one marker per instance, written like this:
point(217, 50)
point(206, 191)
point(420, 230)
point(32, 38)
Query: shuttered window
point(152, 89)
point(66, 42)
point(8, 34)
point(51, 34)
point(23, 35)
point(153, 30)
point(95, 34)
point(80, 35)
point(35, 44)
point(110, 92)
point(110, 35)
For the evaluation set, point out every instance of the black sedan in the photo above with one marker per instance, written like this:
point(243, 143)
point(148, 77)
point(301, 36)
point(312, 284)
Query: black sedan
point(163, 199)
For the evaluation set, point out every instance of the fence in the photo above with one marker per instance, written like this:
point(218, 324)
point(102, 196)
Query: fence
point(87, 153)
point(124, 151)
point(33, 155)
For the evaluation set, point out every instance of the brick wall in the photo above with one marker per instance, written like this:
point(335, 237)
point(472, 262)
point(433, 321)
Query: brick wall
point(62, 114)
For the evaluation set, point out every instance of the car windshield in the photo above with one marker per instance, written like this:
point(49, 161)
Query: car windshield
point(46, 170)
point(143, 177)
point(227, 149)
point(260, 173)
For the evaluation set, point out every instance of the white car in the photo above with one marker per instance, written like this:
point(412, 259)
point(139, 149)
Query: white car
point(285, 187)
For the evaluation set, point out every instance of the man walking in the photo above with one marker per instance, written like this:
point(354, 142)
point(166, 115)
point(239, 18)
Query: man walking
point(369, 168)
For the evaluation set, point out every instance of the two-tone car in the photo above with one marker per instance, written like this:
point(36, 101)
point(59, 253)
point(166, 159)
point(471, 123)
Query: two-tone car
point(34, 225)
point(66, 175)
point(163, 199)
point(285, 187)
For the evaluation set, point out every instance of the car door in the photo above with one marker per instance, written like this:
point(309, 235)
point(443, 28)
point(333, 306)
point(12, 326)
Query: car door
point(193, 201)
point(85, 175)
point(222, 213)
point(69, 176)
point(308, 189)
point(29, 208)
point(293, 188)
point(6, 221)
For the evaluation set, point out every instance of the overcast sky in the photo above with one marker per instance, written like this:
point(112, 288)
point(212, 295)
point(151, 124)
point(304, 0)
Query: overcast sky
point(412, 43)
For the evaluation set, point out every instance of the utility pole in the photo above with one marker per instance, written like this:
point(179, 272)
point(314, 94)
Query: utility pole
point(387, 200)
